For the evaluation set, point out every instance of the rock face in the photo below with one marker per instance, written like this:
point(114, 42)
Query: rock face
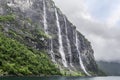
point(67, 47)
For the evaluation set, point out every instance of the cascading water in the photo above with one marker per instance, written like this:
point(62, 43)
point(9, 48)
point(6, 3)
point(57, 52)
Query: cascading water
point(68, 43)
point(80, 60)
point(60, 40)
point(46, 31)
point(51, 51)
point(45, 17)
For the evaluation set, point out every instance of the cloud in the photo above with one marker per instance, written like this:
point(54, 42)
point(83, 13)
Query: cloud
point(77, 9)
point(114, 17)
point(102, 33)
point(105, 40)
point(102, 10)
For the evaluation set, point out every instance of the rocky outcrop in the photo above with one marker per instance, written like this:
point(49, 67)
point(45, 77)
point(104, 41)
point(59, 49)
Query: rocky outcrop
point(66, 47)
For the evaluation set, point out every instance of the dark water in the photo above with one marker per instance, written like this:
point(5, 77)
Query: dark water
point(60, 78)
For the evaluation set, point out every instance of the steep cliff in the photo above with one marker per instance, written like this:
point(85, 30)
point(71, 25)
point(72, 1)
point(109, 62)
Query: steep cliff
point(30, 21)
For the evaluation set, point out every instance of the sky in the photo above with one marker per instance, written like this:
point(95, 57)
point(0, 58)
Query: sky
point(99, 21)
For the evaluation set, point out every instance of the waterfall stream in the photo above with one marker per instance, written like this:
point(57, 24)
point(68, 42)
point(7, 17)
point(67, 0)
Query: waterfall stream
point(51, 51)
point(80, 60)
point(45, 17)
point(68, 43)
point(46, 31)
point(61, 50)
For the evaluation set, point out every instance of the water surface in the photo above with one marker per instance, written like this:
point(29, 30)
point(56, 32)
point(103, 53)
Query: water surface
point(61, 78)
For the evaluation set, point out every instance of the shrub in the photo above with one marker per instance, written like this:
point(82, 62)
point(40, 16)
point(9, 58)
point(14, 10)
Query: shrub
point(7, 18)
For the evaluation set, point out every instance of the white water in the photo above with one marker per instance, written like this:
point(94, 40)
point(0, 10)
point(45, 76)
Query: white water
point(80, 60)
point(51, 51)
point(60, 40)
point(45, 17)
point(68, 43)
point(46, 31)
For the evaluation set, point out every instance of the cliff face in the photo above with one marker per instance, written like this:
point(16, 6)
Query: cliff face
point(67, 48)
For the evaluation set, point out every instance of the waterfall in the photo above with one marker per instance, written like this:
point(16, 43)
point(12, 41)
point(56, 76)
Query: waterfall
point(46, 31)
point(60, 40)
point(45, 17)
point(51, 51)
point(80, 60)
point(68, 43)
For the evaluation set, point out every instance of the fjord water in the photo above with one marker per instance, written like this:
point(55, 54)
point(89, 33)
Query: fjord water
point(61, 78)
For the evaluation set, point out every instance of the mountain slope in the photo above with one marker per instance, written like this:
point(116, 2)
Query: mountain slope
point(110, 68)
point(18, 59)
point(41, 26)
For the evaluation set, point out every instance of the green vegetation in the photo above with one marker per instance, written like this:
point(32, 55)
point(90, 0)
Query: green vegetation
point(40, 33)
point(17, 59)
point(7, 18)
point(71, 73)
point(1, 28)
